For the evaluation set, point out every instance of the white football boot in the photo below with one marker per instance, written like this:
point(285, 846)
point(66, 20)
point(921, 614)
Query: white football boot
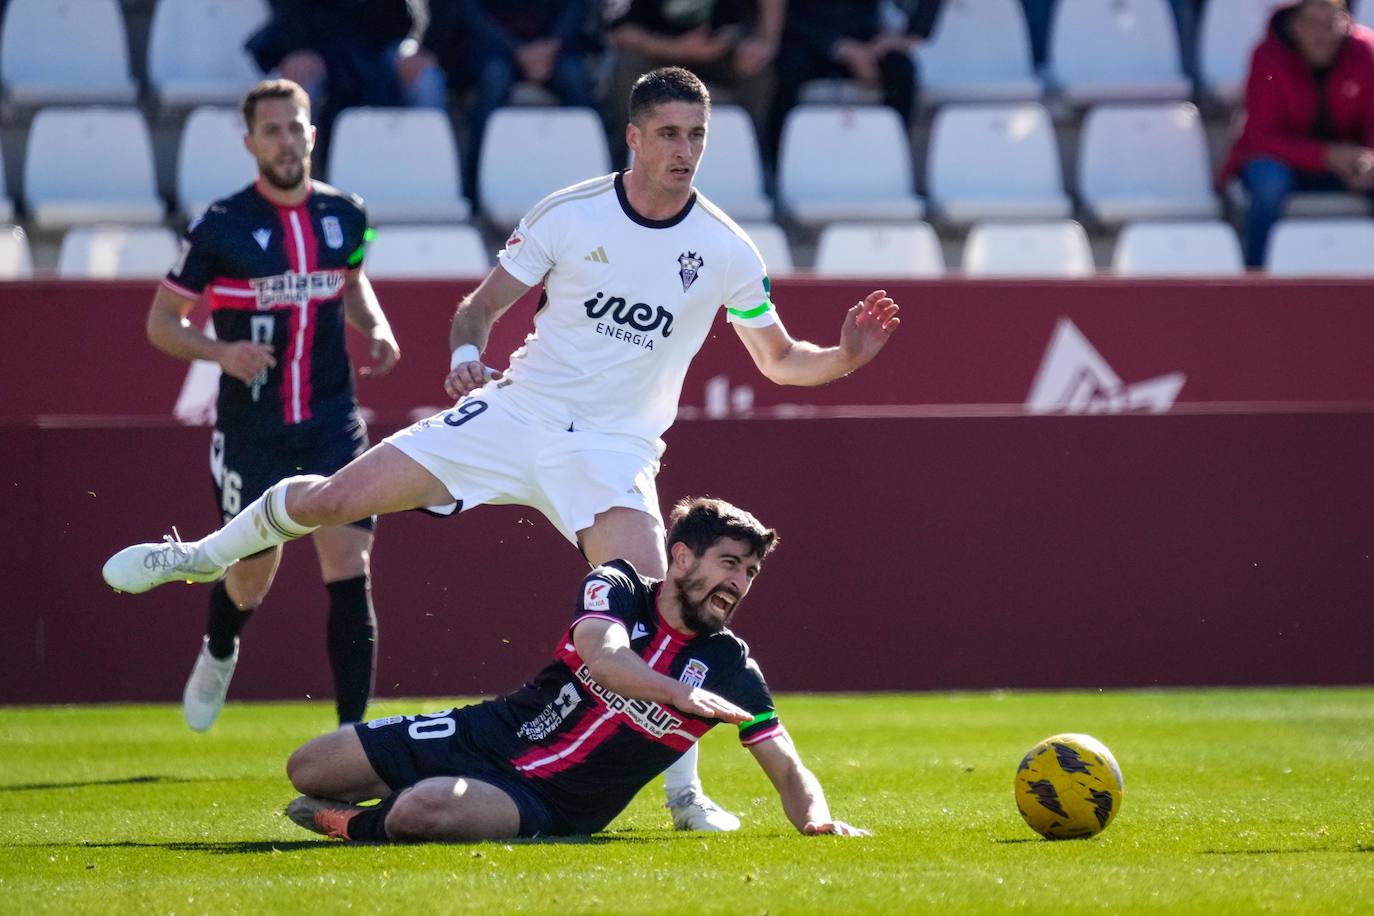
point(692, 810)
point(207, 686)
point(142, 567)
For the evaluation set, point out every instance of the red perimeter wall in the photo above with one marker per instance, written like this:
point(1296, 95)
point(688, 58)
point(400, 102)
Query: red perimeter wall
point(1225, 543)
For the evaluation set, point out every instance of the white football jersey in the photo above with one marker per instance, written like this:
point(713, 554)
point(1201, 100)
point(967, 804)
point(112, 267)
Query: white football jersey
point(627, 303)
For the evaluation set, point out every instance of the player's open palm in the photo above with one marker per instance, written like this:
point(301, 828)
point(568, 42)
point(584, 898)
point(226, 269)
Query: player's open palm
point(704, 703)
point(868, 325)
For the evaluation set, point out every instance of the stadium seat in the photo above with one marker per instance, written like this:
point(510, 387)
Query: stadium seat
point(838, 92)
point(1304, 203)
point(1115, 50)
point(211, 160)
point(116, 251)
point(1318, 247)
point(1145, 162)
point(979, 52)
point(1364, 13)
point(846, 163)
point(731, 173)
point(402, 161)
point(65, 52)
point(879, 250)
point(1055, 248)
point(1175, 249)
point(1227, 35)
point(195, 50)
point(771, 242)
point(528, 153)
point(427, 251)
point(90, 165)
point(968, 166)
point(16, 261)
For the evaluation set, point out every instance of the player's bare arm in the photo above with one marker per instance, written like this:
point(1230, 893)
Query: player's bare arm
point(471, 327)
point(605, 648)
point(170, 331)
point(868, 325)
point(364, 312)
point(803, 800)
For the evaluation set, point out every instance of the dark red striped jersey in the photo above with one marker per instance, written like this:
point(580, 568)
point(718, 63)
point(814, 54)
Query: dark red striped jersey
point(585, 749)
point(275, 274)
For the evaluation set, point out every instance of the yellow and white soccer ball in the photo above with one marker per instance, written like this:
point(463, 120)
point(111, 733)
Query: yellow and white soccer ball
point(1068, 787)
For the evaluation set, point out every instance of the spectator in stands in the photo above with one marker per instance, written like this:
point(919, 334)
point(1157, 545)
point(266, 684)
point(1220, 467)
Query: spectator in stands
point(1039, 14)
point(1309, 114)
point(343, 52)
point(730, 44)
point(490, 45)
point(849, 39)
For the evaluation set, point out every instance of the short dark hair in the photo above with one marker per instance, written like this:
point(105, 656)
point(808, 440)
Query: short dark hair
point(666, 84)
point(272, 89)
point(699, 522)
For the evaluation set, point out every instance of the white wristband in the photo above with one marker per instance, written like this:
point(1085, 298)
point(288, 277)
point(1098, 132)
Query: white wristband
point(467, 353)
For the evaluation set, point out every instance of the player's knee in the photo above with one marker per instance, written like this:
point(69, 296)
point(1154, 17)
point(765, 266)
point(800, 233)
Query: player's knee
point(303, 769)
point(317, 501)
point(422, 812)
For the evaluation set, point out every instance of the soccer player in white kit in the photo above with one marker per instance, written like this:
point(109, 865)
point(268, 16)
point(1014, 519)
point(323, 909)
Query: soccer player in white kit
point(634, 266)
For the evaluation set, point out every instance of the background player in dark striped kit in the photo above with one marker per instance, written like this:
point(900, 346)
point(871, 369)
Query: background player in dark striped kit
point(646, 668)
point(281, 264)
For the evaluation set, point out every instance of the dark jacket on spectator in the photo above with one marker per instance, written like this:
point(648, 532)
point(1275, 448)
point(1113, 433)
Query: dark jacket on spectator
point(1291, 113)
point(320, 24)
point(828, 20)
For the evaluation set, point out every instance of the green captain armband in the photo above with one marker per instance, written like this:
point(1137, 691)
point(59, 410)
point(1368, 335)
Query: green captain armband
point(356, 257)
point(757, 720)
point(751, 313)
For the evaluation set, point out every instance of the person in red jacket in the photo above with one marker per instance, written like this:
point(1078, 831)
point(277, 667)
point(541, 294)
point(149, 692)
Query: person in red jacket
point(1309, 114)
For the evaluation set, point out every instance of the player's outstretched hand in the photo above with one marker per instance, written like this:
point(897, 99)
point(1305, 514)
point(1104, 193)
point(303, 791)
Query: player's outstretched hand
point(712, 706)
point(244, 359)
point(466, 378)
point(867, 327)
point(384, 352)
point(836, 828)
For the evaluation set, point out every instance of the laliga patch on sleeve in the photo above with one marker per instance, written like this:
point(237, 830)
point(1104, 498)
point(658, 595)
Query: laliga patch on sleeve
point(596, 595)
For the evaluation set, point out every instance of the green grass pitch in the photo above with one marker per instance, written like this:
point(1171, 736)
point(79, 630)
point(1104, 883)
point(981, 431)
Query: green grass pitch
point(1237, 801)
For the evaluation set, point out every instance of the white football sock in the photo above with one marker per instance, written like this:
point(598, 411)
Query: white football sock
point(682, 774)
point(262, 525)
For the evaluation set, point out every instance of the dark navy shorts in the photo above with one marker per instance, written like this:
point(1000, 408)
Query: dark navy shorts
point(243, 467)
point(406, 749)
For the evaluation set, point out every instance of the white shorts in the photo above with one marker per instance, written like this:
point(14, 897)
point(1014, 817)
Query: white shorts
point(487, 451)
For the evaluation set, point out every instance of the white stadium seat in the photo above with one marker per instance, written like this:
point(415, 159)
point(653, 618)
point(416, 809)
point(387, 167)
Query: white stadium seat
point(196, 54)
point(731, 173)
point(1176, 249)
point(1145, 162)
point(1115, 50)
point(771, 242)
point(1364, 13)
point(838, 91)
point(994, 162)
point(106, 252)
point(403, 162)
point(427, 251)
point(1322, 247)
point(839, 162)
point(90, 165)
point(16, 261)
point(65, 52)
point(528, 153)
point(211, 160)
point(879, 250)
point(1227, 35)
point(1057, 248)
point(978, 52)
point(1304, 203)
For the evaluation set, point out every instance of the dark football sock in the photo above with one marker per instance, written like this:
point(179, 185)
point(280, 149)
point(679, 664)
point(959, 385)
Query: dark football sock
point(352, 646)
point(369, 824)
point(226, 621)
